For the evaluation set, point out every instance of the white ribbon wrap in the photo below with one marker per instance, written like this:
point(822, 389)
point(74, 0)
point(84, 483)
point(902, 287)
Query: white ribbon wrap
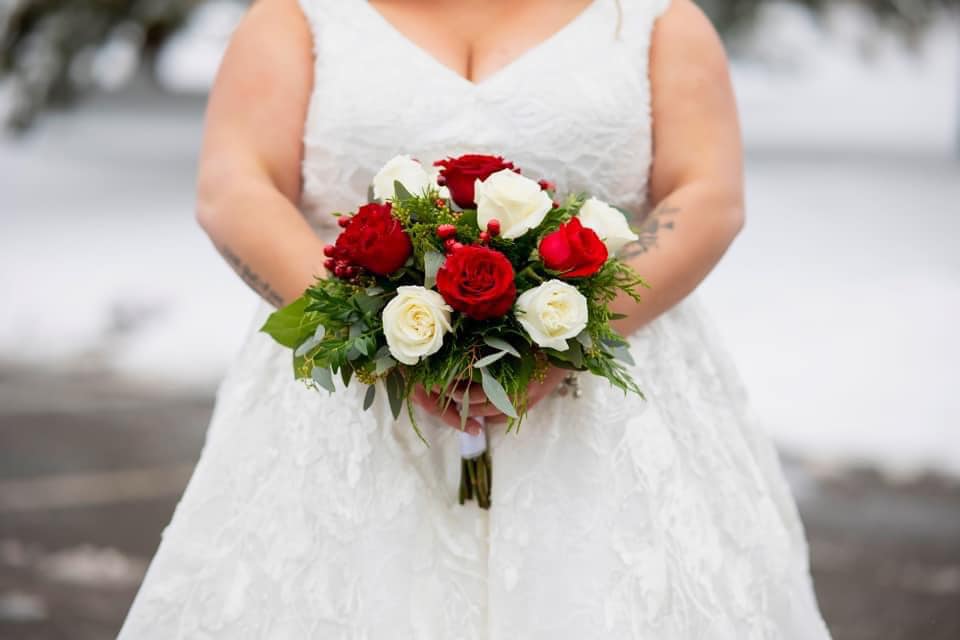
point(472, 446)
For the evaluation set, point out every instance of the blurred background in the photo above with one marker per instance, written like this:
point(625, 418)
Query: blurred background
point(839, 301)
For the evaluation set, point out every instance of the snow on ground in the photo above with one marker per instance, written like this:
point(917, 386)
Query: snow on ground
point(838, 301)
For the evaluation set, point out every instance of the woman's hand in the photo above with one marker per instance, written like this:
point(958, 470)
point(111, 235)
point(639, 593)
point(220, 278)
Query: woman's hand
point(480, 406)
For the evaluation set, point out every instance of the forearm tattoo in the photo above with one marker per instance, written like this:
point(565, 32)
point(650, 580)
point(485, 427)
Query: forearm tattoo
point(253, 280)
point(653, 223)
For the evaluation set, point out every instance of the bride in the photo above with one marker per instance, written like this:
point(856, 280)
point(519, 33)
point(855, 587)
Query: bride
point(613, 517)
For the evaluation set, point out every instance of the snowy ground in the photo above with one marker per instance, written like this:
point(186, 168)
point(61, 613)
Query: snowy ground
point(838, 301)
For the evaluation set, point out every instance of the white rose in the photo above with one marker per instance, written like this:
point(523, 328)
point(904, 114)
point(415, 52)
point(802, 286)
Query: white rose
point(552, 313)
point(408, 171)
point(610, 224)
point(517, 202)
point(414, 323)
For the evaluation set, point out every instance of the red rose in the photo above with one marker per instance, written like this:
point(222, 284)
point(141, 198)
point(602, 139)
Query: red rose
point(573, 250)
point(477, 282)
point(374, 240)
point(459, 175)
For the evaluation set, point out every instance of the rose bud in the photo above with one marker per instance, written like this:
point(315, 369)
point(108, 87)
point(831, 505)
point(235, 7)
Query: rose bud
point(546, 185)
point(460, 174)
point(330, 251)
point(484, 237)
point(573, 250)
point(493, 227)
point(375, 240)
point(555, 204)
point(445, 231)
point(344, 221)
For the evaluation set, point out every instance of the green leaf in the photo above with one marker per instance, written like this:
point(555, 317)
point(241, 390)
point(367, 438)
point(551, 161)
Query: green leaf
point(369, 305)
point(323, 377)
point(346, 372)
point(395, 387)
point(490, 359)
point(622, 354)
point(384, 364)
point(468, 219)
point(400, 192)
point(501, 345)
point(496, 394)
point(465, 408)
point(369, 396)
point(585, 339)
point(290, 325)
point(432, 261)
point(361, 345)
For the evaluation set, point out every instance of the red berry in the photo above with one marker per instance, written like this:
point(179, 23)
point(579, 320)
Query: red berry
point(340, 271)
point(445, 231)
point(516, 169)
point(329, 264)
point(546, 185)
point(439, 202)
point(449, 242)
point(555, 204)
point(330, 251)
point(455, 246)
point(352, 272)
point(441, 180)
point(344, 221)
point(484, 237)
point(493, 227)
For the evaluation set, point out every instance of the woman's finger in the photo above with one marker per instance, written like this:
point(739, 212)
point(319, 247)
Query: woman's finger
point(449, 414)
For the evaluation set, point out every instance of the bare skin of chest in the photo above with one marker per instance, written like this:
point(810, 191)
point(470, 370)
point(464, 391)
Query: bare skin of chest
point(478, 38)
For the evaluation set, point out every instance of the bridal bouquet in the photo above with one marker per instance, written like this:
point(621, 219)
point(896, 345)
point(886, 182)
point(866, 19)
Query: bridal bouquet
point(467, 273)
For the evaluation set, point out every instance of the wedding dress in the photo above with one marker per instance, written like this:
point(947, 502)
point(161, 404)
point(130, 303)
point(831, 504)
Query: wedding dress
point(612, 517)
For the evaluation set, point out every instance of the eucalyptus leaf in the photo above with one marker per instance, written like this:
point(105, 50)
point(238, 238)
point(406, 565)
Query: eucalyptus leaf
point(369, 304)
point(496, 394)
point(501, 345)
point(361, 345)
point(323, 377)
point(432, 261)
point(384, 364)
point(584, 338)
point(465, 408)
point(490, 359)
point(369, 396)
point(309, 345)
point(370, 196)
point(395, 383)
point(373, 291)
point(623, 354)
point(356, 329)
point(345, 374)
point(400, 192)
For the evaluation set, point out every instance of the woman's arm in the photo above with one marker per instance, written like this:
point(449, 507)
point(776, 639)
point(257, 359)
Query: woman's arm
point(696, 180)
point(249, 171)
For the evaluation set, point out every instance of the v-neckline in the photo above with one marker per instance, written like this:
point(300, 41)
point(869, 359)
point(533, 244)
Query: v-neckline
point(500, 71)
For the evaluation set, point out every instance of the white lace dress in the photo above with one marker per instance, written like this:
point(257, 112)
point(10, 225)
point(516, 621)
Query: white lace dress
point(612, 518)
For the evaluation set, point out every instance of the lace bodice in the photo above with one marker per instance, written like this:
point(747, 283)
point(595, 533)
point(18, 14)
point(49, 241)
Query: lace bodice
point(574, 109)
